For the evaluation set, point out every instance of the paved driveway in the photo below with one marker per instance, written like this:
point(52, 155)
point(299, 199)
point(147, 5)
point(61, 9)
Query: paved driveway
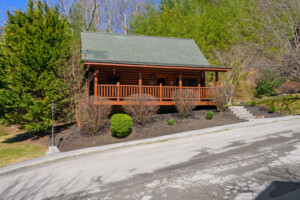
point(256, 162)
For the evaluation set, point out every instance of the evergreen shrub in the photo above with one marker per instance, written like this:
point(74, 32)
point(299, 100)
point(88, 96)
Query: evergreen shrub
point(120, 125)
point(209, 115)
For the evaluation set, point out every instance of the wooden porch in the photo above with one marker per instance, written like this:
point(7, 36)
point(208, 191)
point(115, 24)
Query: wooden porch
point(116, 82)
point(116, 94)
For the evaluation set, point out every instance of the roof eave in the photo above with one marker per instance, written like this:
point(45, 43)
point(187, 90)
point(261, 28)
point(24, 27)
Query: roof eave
point(157, 65)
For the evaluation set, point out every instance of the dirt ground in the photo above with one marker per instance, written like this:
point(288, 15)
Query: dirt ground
point(157, 125)
point(262, 111)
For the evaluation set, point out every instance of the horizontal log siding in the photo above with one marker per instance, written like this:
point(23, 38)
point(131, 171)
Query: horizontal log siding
point(131, 76)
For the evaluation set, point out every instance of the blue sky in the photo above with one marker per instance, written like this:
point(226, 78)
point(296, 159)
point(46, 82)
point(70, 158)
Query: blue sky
point(11, 4)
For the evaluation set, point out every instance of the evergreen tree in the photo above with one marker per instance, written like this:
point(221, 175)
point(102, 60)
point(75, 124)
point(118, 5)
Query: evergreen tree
point(32, 40)
point(213, 25)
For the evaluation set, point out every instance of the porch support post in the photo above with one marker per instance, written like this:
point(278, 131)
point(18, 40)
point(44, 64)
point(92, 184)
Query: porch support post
point(217, 83)
point(96, 83)
point(118, 91)
point(180, 82)
point(217, 79)
point(199, 89)
point(160, 92)
point(140, 81)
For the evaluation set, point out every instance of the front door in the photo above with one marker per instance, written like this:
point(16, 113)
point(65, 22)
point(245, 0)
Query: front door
point(161, 78)
point(161, 81)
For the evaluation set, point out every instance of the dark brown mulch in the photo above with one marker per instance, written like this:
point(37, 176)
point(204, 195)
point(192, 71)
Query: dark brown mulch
point(263, 111)
point(156, 126)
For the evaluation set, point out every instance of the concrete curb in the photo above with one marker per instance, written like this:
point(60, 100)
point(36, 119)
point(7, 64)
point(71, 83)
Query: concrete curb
point(64, 155)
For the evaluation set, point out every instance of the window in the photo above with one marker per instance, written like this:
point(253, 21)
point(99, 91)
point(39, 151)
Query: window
point(188, 82)
point(113, 80)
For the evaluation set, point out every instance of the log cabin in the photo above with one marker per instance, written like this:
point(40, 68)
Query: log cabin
point(119, 66)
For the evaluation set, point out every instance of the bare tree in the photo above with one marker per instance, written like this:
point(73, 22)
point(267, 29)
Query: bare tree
point(141, 107)
point(240, 59)
point(280, 33)
point(93, 114)
point(185, 101)
point(79, 14)
point(100, 15)
point(71, 71)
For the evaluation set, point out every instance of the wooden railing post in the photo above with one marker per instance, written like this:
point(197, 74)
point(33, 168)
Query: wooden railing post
point(199, 89)
point(118, 91)
point(217, 83)
point(140, 82)
point(180, 83)
point(160, 92)
point(96, 84)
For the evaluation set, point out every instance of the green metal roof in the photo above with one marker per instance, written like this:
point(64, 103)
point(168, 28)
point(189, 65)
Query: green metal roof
point(135, 49)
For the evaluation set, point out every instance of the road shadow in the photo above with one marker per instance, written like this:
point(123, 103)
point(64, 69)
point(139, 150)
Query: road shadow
point(281, 190)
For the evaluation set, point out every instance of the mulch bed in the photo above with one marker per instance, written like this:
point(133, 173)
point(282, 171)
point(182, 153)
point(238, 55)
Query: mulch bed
point(263, 111)
point(68, 137)
point(72, 138)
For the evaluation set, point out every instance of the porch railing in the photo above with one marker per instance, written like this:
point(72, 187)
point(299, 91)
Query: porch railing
point(162, 93)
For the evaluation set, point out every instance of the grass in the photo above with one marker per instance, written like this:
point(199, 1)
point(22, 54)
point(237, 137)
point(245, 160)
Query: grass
point(11, 153)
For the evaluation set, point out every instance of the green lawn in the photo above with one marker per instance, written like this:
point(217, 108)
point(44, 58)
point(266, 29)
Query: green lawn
point(17, 151)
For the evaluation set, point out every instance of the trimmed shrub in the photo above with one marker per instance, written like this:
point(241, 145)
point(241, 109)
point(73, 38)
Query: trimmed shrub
point(209, 115)
point(120, 125)
point(171, 122)
point(253, 103)
point(141, 107)
point(272, 108)
point(91, 117)
point(185, 101)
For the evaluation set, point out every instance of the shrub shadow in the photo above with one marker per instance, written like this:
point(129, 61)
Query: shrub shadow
point(37, 135)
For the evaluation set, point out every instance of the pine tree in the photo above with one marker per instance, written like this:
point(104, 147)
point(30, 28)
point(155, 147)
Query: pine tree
point(32, 40)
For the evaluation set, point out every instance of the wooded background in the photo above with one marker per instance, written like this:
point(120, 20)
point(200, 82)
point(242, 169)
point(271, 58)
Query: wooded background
point(40, 56)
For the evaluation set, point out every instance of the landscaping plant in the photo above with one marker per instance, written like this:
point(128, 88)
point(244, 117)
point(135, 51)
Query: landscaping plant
point(253, 103)
point(93, 116)
point(171, 122)
point(222, 96)
point(272, 107)
point(185, 101)
point(209, 115)
point(267, 83)
point(141, 107)
point(120, 125)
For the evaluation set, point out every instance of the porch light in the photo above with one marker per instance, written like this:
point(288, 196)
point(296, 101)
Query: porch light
point(152, 76)
point(151, 82)
point(114, 71)
point(171, 82)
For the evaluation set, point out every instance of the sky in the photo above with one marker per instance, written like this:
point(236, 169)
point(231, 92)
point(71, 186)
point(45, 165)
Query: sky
point(11, 5)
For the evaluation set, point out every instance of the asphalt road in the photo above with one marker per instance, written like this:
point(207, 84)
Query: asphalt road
point(258, 162)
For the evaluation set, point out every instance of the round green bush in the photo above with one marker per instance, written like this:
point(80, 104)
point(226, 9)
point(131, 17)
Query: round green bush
point(171, 122)
point(209, 115)
point(253, 103)
point(120, 125)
